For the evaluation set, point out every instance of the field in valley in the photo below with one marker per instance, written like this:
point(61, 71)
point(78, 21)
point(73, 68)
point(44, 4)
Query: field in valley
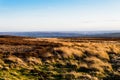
point(23, 58)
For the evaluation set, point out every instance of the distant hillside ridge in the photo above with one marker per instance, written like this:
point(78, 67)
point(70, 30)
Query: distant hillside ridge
point(63, 34)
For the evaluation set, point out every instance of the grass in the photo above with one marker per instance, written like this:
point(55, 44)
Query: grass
point(24, 58)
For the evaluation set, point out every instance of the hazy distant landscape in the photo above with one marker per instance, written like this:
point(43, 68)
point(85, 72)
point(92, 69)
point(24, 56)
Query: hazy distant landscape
point(65, 34)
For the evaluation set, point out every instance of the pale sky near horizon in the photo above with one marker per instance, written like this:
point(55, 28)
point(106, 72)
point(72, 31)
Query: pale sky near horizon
point(59, 15)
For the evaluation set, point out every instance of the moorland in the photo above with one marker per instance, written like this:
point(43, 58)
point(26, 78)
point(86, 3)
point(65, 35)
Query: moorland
point(25, 58)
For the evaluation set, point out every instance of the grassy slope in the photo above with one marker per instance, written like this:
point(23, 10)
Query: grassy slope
point(65, 58)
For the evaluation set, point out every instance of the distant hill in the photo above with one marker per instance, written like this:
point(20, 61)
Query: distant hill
point(107, 35)
point(65, 34)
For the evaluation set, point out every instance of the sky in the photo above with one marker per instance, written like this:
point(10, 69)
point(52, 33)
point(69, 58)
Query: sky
point(59, 15)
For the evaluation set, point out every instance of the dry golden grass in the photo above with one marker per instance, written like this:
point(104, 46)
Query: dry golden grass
point(59, 57)
point(97, 64)
point(16, 61)
point(68, 52)
point(34, 61)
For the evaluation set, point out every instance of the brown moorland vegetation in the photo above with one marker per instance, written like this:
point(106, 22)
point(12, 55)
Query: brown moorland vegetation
point(23, 58)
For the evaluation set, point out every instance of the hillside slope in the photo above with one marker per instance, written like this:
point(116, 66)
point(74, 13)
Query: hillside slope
point(59, 58)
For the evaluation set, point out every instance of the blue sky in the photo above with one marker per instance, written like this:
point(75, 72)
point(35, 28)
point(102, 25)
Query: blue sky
point(59, 15)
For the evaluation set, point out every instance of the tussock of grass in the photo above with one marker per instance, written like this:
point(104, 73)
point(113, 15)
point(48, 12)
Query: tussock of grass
point(67, 52)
